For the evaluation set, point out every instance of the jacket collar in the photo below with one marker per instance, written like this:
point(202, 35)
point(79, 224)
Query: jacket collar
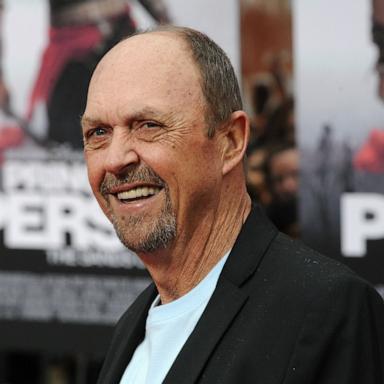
point(250, 246)
point(227, 299)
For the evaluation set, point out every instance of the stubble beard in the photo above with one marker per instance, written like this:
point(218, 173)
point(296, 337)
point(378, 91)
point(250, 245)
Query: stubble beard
point(145, 233)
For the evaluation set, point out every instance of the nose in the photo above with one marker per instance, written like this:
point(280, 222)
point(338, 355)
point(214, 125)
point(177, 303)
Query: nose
point(121, 153)
point(290, 185)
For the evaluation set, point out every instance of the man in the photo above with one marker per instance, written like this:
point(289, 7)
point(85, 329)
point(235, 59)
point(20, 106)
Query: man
point(233, 301)
point(282, 172)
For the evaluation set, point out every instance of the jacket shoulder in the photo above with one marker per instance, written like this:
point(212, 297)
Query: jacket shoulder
point(301, 272)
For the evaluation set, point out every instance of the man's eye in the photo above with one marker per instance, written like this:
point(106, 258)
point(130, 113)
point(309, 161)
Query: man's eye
point(150, 124)
point(95, 132)
point(99, 131)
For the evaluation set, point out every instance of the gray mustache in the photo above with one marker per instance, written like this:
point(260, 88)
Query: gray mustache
point(142, 175)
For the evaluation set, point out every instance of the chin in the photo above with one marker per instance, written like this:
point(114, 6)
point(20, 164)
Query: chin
point(147, 236)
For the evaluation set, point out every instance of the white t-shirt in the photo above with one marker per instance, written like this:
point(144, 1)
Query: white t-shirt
point(167, 328)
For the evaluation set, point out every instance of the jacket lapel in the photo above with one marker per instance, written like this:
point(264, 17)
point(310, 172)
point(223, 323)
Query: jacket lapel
point(208, 331)
point(250, 247)
point(226, 301)
point(127, 336)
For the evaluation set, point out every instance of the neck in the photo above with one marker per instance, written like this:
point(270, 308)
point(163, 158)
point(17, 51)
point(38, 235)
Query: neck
point(179, 268)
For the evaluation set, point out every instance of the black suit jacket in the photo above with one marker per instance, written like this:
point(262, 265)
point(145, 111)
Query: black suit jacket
point(280, 314)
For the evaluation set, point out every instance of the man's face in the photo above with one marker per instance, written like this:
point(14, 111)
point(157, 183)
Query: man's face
point(284, 168)
point(150, 163)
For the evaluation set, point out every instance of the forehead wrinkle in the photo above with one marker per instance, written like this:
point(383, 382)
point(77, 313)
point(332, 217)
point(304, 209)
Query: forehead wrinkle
point(145, 113)
point(89, 121)
point(178, 81)
point(126, 119)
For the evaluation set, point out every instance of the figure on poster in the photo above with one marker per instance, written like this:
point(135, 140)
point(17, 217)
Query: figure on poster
point(11, 133)
point(81, 31)
point(233, 300)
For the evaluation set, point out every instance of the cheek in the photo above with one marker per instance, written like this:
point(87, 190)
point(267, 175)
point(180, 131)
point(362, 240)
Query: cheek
point(95, 177)
point(199, 177)
point(95, 173)
point(186, 168)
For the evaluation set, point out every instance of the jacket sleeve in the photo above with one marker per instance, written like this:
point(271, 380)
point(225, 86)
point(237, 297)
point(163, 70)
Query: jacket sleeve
point(342, 338)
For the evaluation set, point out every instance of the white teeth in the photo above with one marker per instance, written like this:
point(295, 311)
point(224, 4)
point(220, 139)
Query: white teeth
point(137, 192)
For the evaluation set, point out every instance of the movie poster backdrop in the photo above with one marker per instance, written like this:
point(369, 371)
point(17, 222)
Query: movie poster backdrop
point(340, 123)
point(64, 276)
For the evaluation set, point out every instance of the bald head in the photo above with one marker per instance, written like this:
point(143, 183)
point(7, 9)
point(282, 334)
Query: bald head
point(151, 69)
point(216, 76)
point(143, 52)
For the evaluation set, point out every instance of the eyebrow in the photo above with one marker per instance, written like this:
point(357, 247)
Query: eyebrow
point(85, 120)
point(142, 114)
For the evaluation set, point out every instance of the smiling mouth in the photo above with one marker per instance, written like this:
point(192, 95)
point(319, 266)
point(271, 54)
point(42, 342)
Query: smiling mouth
point(139, 193)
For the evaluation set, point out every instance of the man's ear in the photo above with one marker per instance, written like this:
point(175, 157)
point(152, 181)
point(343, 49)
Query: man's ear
point(235, 140)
